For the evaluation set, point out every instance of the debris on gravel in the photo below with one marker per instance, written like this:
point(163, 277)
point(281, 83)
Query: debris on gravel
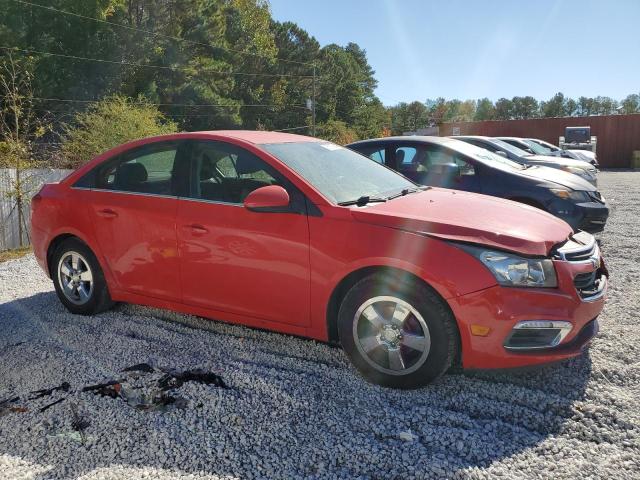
point(295, 408)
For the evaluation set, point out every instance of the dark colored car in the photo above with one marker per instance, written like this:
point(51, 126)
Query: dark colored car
point(450, 163)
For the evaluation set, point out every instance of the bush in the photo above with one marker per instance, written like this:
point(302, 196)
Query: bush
point(337, 132)
point(109, 123)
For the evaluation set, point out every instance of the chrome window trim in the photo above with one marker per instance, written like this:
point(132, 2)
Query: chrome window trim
point(215, 202)
point(201, 200)
point(141, 194)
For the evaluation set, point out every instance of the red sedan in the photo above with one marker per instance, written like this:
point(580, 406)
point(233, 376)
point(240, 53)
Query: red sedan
point(301, 236)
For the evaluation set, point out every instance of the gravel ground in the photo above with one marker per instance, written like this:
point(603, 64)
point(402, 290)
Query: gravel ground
point(295, 408)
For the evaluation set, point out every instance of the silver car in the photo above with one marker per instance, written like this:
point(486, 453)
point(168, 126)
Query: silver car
point(500, 147)
point(584, 155)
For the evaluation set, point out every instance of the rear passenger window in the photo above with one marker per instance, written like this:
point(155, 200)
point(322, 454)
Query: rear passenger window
point(374, 153)
point(150, 170)
point(225, 173)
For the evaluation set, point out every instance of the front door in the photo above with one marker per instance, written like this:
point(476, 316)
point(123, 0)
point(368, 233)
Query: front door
point(235, 260)
point(436, 166)
point(133, 208)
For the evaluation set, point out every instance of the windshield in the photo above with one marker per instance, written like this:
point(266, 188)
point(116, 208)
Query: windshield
point(509, 148)
point(340, 174)
point(537, 148)
point(483, 155)
point(551, 147)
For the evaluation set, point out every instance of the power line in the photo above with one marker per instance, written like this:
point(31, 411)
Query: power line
point(163, 67)
point(189, 105)
point(290, 129)
point(149, 32)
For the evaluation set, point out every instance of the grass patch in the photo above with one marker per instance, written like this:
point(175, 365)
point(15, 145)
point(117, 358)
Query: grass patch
point(14, 253)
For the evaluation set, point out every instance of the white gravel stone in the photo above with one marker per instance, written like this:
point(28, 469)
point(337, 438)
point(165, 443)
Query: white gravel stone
point(296, 408)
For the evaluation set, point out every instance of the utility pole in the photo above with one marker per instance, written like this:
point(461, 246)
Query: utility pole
point(313, 103)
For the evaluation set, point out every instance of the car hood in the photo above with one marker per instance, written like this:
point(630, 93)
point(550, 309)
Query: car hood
point(469, 217)
point(586, 154)
point(557, 176)
point(565, 162)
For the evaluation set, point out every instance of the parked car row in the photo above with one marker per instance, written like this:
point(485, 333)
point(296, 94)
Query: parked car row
point(493, 167)
point(302, 236)
point(535, 146)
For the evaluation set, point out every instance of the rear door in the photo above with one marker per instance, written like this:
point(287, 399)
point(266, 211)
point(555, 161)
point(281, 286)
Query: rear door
point(235, 260)
point(133, 208)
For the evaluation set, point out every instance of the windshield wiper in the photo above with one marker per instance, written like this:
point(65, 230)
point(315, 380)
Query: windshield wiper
point(362, 201)
point(406, 191)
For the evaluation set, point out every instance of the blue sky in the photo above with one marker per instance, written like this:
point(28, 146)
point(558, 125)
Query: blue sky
point(484, 48)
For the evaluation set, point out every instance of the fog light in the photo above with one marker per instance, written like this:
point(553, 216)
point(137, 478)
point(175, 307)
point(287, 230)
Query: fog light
point(532, 334)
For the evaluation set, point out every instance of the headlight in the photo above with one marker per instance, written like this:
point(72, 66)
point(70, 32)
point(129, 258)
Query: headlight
point(512, 270)
point(578, 171)
point(577, 196)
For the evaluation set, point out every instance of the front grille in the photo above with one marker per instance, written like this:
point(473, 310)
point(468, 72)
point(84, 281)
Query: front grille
point(589, 284)
point(580, 247)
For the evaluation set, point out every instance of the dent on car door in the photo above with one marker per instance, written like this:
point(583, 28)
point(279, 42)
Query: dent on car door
point(236, 260)
point(133, 207)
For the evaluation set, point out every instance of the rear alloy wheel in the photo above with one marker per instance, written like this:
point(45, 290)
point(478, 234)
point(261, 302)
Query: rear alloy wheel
point(75, 277)
point(397, 334)
point(78, 278)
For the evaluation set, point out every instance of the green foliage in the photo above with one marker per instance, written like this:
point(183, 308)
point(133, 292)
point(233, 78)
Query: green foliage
point(109, 123)
point(217, 64)
point(631, 104)
point(337, 131)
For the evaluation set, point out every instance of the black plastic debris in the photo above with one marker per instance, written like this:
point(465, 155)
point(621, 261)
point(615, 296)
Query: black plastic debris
point(49, 405)
point(177, 379)
point(109, 389)
point(140, 367)
point(64, 387)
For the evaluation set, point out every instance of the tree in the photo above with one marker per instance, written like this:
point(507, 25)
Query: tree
point(337, 132)
point(484, 110)
point(631, 104)
point(109, 123)
point(504, 109)
point(19, 127)
point(524, 107)
point(554, 107)
point(584, 107)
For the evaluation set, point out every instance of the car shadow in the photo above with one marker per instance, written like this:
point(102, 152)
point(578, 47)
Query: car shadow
point(295, 407)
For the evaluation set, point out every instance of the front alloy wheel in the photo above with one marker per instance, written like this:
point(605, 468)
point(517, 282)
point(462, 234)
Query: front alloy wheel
point(391, 335)
point(397, 332)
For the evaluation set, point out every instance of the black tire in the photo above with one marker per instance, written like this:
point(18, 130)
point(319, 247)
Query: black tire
point(442, 330)
point(98, 299)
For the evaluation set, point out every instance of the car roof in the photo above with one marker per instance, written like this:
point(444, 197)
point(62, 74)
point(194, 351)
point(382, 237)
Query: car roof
point(511, 138)
point(478, 137)
point(260, 137)
point(406, 138)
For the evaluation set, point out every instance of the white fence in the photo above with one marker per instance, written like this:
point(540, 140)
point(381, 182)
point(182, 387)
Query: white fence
point(31, 181)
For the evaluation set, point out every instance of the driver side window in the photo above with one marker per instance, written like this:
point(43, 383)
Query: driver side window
point(225, 173)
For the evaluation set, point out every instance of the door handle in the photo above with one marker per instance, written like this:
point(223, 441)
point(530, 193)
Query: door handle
point(107, 213)
point(197, 229)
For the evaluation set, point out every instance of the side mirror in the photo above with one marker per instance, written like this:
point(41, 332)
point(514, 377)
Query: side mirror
point(269, 199)
point(501, 153)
